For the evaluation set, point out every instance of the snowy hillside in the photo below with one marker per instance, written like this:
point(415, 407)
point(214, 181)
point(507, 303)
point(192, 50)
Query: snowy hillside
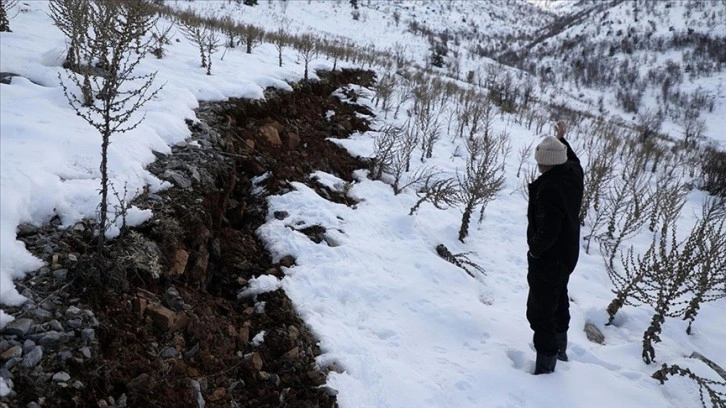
point(397, 324)
point(638, 59)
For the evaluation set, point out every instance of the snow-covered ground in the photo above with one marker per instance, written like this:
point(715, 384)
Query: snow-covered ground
point(408, 328)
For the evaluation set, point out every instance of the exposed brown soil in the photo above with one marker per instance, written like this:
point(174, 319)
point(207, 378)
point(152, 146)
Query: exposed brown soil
point(155, 348)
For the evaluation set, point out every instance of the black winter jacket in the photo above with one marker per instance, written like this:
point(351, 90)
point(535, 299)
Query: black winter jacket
point(553, 231)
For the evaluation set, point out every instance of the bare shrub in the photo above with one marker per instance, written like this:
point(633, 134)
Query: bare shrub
point(716, 398)
point(441, 193)
point(713, 172)
point(196, 30)
point(6, 5)
point(628, 203)
point(161, 36)
point(384, 88)
point(483, 177)
point(251, 35)
point(675, 277)
point(117, 94)
point(306, 49)
point(71, 17)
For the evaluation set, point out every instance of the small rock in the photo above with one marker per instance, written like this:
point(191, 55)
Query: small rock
point(293, 332)
point(139, 382)
point(254, 361)
point(78, 385)
point(218, 394)
point(179, 263)
point(280, 215)
point(73, 311)
point(169, 352)
point(243, 337)
point(271, 134)
point(191, 353)
point(177, 179)
point(32, 404)
point(18, 327)
point(28, 345)
point(198, 393)
point(594, 334)
point(12, 352)
point(49, 338)
point(6, 374)
point(25, 230)
point(12, 363)
point(122, 401)
point(287, 261)
point(75, 323)
point(79, 227)
point(60, 274)
point(41, 314)
point(292, 354)
point(65, 355)
point(88, 335)
point(55, 325)
point(86, 352)
point(72, 258)
point(61, 376)
point(173, 300)
point(49, 305)
point(33, 357)
point(273, 378)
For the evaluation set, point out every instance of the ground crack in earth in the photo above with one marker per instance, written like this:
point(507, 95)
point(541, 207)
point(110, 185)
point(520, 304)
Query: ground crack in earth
point(158, 323)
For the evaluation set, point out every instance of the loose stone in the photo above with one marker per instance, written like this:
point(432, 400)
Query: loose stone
point(32, 358)
point(61, 376)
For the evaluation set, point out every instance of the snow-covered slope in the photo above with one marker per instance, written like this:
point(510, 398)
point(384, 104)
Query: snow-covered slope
point(636, 57)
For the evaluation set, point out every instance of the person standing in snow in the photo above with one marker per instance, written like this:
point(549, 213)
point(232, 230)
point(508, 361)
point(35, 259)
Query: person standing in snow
point(553, 237)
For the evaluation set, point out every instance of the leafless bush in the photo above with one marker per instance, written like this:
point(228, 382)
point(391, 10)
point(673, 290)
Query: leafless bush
point(674, 277)
point(71, 17)
point(483, 177)
point(461, 260)
point(114, 28)
point(525, 152)
point(384, 88)
point(306, 47)
point(441, 193)
point(716, 398)
point(693, 127)
point(6, 5)
point(384, 146)
point(628, 203)
point(196, 30)
point(280, 40)
point(713, 172)
point(599, 172)
point(427, 125)
point(649, 123)
point(252, 35)
point(161, 38)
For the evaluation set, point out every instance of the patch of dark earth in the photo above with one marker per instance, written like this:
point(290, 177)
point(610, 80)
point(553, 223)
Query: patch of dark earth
point(156, 321)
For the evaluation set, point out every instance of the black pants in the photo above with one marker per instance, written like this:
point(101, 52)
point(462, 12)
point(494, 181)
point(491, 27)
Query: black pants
point(548, 305)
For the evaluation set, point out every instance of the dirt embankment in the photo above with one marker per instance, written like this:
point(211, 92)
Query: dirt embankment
point(130, 339)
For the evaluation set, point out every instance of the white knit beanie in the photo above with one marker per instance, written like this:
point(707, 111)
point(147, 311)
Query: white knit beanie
point(550, 152)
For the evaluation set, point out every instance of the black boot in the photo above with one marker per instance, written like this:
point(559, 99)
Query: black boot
point(561, 340)
point(545, 364)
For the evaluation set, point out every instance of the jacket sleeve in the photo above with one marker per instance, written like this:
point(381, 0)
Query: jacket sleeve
point(570, 153)
point(548, 223)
